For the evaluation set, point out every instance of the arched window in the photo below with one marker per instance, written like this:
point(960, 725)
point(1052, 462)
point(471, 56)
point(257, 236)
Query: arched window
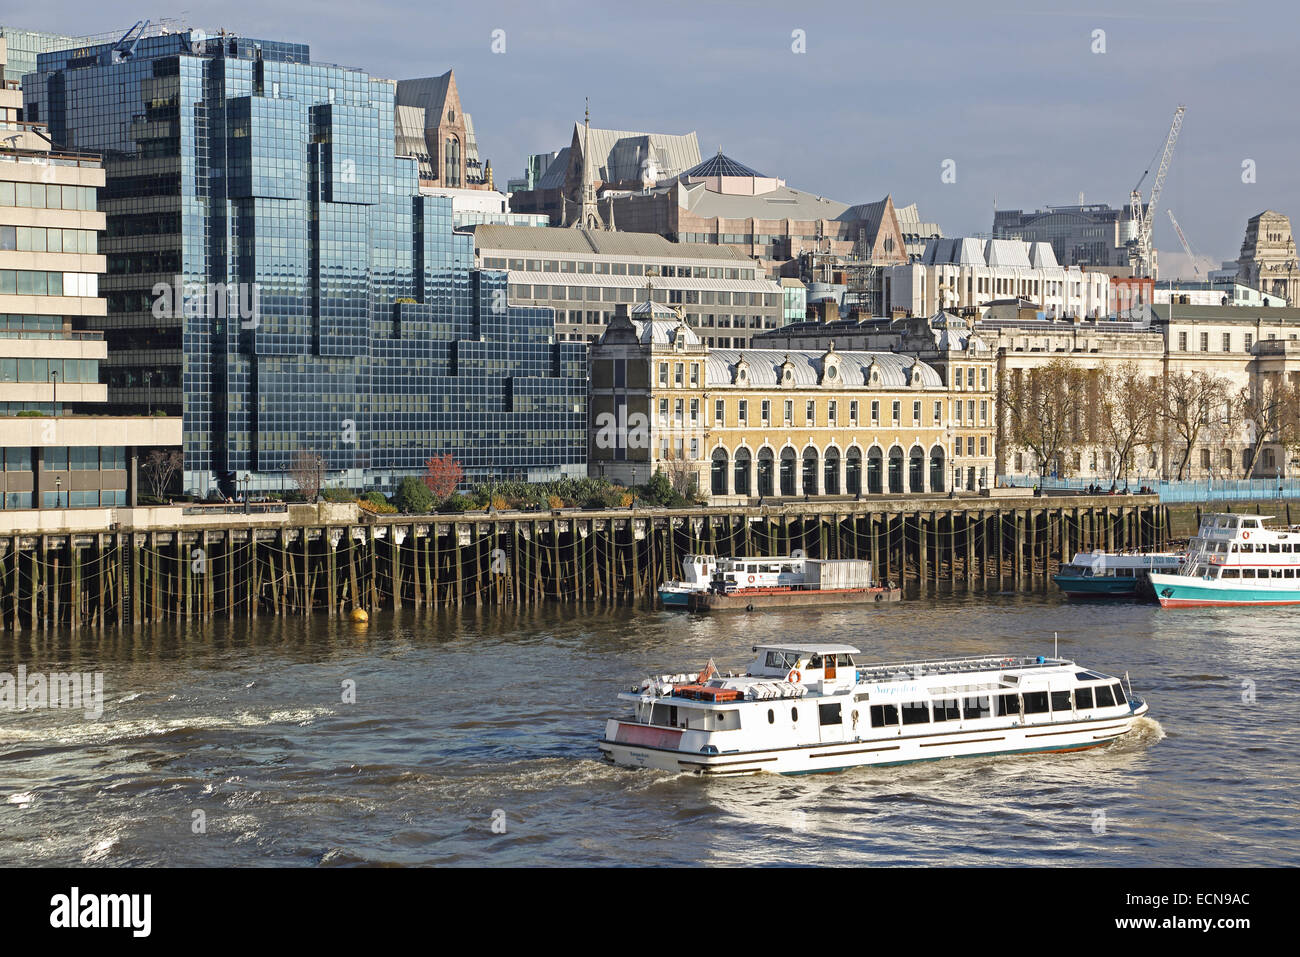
point(451, 162)
point(788, 467)
point(719, 472)
point(765, 463)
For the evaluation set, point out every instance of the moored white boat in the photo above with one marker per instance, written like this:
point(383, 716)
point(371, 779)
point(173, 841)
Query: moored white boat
point(697, 572)
point(1235, 560)
point(808, 708)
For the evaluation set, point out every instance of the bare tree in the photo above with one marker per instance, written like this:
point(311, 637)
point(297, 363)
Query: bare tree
point(1268, 412)
point(1127, 414)
point(1044, 408)
point(308, 473)
point(1191, 399)
point(160, 467)
point(683, 473)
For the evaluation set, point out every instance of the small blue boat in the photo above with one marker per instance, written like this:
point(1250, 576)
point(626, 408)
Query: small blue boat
point(1112, 574)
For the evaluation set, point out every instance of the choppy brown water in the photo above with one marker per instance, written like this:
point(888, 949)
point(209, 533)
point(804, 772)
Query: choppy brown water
point(460, 717)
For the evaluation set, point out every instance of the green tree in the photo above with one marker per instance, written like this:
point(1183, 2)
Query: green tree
point(413, 495)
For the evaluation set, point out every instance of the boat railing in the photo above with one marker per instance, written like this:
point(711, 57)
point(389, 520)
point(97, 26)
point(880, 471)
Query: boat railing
point(973, 663)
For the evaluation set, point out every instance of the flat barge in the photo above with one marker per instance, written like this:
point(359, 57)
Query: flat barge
point(752, 599)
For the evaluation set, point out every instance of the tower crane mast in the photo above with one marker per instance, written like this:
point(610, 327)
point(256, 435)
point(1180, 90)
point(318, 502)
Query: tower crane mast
point(1141, 257)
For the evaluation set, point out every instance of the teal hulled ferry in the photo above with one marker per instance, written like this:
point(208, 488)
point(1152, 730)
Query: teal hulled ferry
point(1235, 560)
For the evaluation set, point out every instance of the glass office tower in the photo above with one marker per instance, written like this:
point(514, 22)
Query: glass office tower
point(275, 276)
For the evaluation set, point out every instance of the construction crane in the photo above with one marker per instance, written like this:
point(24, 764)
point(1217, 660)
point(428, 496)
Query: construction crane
point(1141, 257)
point(1187, 247)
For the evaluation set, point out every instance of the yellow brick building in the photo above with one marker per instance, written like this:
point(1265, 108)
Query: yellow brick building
point(771, 423)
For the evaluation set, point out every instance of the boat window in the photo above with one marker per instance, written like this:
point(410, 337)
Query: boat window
point(980, 707)
point(1231, 573)
point(1286, 546)
point(815, 662)
point(830, 714)
point(1289, 573)
point(1120, 696)
point(787, 570)
point(1277, 573)
point(1274, 548)
point(1035, 702)
point(844, 661)
point(771, 716)
point(785, 660)
point(1105, 699)
point(861, 697)
point(916, 712)
point(1083, 698)
point(794, 714)
point(1061, 701)
point(1248, 573)
point(1008, 704)
point(883, 715)
point(948, 709)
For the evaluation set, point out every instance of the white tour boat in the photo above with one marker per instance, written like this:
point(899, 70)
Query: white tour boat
point(806, 708)
point(1235, 560)
point(699, 572)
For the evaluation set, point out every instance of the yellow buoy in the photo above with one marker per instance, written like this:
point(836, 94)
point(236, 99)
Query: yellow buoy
point(359, 615)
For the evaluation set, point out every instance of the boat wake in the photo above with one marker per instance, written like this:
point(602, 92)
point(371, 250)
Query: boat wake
point(1146, 732)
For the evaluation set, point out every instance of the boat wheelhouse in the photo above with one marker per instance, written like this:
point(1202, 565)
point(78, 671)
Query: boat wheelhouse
point(697, 572)
point(1235, 560)
point(1112, 574)
point(808, 708)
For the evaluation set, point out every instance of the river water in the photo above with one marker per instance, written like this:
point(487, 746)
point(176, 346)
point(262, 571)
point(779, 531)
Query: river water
point(471, 741)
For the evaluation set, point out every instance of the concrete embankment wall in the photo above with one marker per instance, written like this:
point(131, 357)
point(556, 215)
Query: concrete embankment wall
point(1182, 520)
point(244, 569)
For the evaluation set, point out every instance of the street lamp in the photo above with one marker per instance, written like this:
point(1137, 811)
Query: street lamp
point(246, 481)
point(54, 398)
point(58, 490)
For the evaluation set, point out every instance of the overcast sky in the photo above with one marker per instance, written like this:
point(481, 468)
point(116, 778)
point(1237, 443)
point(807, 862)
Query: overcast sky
point(1012, 92)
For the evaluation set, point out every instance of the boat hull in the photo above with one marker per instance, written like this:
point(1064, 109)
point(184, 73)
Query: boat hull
point(675, 598)
point(750, 599)
point(1182, 591)
point(1097, 587)
point(827, 757)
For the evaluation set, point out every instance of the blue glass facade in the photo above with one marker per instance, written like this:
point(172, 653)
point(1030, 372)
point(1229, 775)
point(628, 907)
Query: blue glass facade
point(373, 341)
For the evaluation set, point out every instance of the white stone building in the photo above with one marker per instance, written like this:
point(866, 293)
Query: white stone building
point(955, 274)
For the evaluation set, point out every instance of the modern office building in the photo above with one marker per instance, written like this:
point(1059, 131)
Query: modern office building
point(742, 424)
point(24, 46)
point(583, 274)
point(534, 167)
point(58, 450)
point(1094, 234)
point(276, 277)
